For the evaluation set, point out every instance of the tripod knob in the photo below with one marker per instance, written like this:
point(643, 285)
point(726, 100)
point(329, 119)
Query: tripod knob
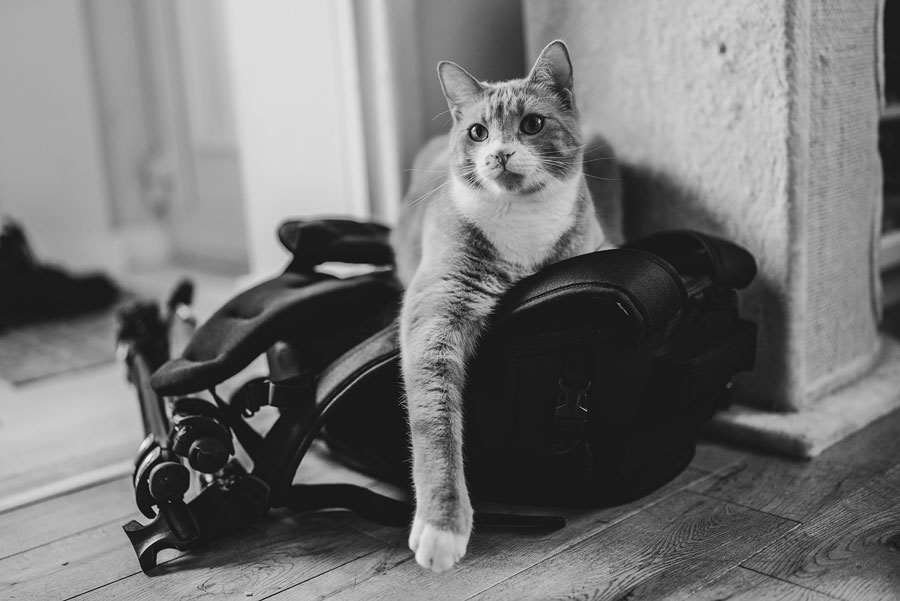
point(158, 477)
point(208, 454)
point(168, 481)
point(200, 435)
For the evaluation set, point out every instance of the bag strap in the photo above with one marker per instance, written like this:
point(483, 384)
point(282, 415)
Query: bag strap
point(695, 253)
point(292, 435)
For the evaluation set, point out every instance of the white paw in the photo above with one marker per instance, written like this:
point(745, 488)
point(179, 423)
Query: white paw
point(435, 549)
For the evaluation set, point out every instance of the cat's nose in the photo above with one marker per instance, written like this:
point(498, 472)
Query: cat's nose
point(503, 156)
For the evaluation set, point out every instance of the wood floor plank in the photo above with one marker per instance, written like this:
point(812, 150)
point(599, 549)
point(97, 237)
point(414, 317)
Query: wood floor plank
point(268, 557)
point(741, 584)
point(95, 557)
point(798, 489)
point(493, 555)
point(851, 550)
point(666, 551)
point(388, 573)
point(69, 566)
point(793, 490)
point(56, 518)
point(713, 457)
point(876, 443)
point(64, 426)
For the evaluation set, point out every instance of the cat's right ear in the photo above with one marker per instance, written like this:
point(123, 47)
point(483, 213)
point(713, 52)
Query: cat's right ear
point(459, 87)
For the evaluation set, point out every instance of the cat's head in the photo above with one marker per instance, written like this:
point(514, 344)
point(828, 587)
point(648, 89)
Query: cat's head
point(516, 136)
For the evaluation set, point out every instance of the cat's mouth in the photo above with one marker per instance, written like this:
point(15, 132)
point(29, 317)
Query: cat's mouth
point(509, 180)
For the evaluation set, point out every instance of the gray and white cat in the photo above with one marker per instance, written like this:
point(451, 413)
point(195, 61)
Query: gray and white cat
point(504, 196)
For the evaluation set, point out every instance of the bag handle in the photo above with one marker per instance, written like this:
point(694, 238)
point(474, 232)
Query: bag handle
point(646, 287)
point(322, 240)
point(695, 253)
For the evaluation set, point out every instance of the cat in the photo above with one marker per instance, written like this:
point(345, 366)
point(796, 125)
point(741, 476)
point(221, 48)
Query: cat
point(498, 199)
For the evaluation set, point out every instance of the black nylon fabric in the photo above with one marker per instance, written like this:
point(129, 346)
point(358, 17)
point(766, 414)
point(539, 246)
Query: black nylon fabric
point(693, 253)
point(642, 324)
point(322, 315)
point(659, 356)
point(589, 387)
point(315, 242)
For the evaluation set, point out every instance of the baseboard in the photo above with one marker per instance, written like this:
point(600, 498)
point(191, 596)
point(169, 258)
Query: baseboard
point(805, 434)
point(65, 486)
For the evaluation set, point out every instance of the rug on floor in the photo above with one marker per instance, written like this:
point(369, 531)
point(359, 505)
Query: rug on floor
point(35, 351)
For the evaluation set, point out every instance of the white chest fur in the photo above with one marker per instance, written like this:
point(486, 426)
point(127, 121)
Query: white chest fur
point(522, 227)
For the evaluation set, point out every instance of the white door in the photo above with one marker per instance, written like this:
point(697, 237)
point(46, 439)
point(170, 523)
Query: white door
point(195, 166)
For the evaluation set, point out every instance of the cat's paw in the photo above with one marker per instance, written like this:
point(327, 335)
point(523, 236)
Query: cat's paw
point(436, 549)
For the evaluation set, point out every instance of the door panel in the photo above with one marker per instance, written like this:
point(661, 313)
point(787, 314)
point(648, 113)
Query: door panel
point(198, 148)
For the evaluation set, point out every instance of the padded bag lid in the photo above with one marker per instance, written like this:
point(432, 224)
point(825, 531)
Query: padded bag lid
point(292, 306)
point(612, 302)
point(635, 289)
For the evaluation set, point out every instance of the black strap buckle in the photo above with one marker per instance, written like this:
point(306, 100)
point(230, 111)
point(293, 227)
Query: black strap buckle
point(571, 413)
point(299, 389)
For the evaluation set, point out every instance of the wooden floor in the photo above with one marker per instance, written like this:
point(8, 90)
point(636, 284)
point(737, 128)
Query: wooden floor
point(735, 525)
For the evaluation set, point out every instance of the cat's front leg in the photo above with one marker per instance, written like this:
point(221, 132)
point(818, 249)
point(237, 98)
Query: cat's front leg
point(440, 326)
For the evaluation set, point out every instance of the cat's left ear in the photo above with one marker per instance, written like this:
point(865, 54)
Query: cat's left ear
point(553, 68)
point(459, 87)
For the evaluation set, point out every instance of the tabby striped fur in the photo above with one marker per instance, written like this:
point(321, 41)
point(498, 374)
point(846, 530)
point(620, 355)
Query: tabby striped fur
point(478, 216)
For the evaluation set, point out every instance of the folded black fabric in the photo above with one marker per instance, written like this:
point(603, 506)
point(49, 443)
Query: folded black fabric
point(30, 291)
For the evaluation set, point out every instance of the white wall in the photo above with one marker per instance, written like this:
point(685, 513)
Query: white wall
point(400, 44)
point(76, 128)
point(51, 163)
point(298, 116)
point(485, 38)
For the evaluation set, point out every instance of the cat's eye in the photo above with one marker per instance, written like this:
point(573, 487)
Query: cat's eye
point(478, 132)
point(531, 124)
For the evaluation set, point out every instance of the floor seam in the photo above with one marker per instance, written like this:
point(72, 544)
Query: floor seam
point(70, 535)
point(748, 507)
point(606, 526)
point(743, 567)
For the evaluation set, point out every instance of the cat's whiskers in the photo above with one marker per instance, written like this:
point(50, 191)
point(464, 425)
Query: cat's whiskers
point(571, 149)
point(428, 194)
point(559, 163)
point(542, 195)
point(580, 197)
point(431, 192)
point(605, 179)
point(559, 181)
point(556, 153)
point(574, 148)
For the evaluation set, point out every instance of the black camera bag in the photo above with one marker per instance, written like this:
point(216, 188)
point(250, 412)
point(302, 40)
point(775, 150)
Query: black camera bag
point(589, 388)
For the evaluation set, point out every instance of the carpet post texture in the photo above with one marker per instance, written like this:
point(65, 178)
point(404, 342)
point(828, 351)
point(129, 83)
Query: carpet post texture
point(759, 122)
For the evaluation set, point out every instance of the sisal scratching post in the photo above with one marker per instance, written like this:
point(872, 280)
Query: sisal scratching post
point(756, 121)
